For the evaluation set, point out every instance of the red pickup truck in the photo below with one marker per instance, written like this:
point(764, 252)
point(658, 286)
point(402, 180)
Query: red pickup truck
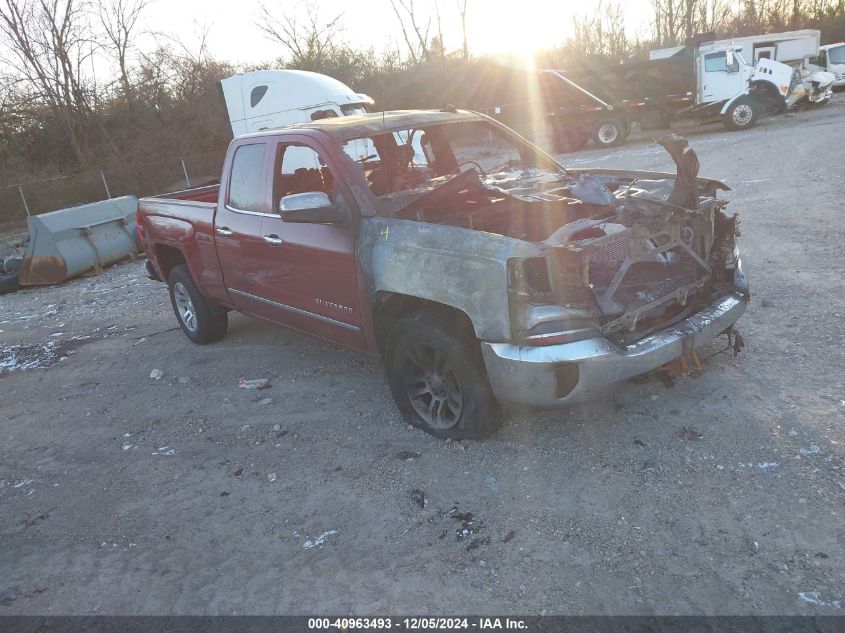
point(481, 270)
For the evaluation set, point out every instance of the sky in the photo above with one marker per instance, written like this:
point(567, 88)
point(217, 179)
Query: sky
point(494, 26)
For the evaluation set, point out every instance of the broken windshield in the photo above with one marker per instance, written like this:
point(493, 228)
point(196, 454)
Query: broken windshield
point(400, 166)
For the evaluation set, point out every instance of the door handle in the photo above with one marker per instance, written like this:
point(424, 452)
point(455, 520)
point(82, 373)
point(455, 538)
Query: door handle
point(225, 231)
point(273, 239)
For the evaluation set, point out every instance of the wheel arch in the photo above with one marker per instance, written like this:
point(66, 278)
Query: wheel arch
point(389, 307)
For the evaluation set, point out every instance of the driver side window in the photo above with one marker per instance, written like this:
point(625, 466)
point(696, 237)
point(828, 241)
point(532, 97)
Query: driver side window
point(300, 169)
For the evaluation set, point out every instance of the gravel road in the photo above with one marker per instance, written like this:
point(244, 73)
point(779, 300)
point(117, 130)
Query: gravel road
point(722, 494)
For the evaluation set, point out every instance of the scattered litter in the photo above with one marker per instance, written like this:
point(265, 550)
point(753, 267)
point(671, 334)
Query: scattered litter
point(128, 445)
point(509, 537)
point(814, 597)
point(156, 374)
point(812, 450)
point(767, 465)
point(418, 497)
point(689, 433)
point(258, 383)
point(842, 485)
point(183, 380)
point(720, 467)
point(277, 427)
point(407, 456)
point(23, 483)
point(271, 477)
point(165, 450)
point(239, 472)
point(319, 541)
point(265, 401)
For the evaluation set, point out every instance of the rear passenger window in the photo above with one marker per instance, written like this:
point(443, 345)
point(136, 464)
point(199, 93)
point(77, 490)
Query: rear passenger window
point(245, 183)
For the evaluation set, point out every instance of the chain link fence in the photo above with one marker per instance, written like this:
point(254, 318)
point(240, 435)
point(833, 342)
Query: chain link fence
point(17, 201)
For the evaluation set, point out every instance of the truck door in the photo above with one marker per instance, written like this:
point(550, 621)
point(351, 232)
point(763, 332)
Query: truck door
point(237, 223)
point(720, 80)
point(310, 278)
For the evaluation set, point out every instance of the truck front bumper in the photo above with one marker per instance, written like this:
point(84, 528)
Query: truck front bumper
point(558, 375)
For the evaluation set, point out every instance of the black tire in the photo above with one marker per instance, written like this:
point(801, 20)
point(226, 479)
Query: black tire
point(609, 133)
point(8, 282)
point(742, 114)
point(207, 324)
point(436, 355)
point(12, 265)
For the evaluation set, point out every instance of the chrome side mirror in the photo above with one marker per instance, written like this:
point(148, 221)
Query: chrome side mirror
point(307, 200)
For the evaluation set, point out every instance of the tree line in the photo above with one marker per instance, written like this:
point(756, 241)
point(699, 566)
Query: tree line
point(57, 115)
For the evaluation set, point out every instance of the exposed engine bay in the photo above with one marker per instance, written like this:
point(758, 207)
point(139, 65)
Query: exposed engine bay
point(623, 252)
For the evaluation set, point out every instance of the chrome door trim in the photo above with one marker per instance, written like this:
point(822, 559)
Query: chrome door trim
point(283, 306)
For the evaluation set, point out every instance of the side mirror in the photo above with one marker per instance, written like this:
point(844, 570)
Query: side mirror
point(311, 207)
point(730, 66)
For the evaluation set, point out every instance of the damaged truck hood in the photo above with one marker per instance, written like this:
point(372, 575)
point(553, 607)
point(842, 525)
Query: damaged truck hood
point(644, 246)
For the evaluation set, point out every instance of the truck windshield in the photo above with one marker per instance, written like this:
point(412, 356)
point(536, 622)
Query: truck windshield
point(417, 160)
point(836, 55)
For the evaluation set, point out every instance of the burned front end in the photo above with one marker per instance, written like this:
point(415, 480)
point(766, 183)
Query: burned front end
point(648, 272)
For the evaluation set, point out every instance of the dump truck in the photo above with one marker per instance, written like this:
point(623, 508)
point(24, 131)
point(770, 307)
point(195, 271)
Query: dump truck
point(794, 48)
point(482, 272)
point(704, 80)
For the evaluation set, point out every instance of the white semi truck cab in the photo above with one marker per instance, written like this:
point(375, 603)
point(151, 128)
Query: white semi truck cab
point(267, 99)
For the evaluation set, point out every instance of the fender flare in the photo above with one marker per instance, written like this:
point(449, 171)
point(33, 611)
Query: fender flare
point(731, 100)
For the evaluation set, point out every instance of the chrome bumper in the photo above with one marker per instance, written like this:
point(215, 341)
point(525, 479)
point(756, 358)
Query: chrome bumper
point(558, 375)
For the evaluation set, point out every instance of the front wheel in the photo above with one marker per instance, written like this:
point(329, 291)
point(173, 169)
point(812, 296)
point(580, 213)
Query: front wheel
point(742, 114)
point(437, 377)
point(199, 320)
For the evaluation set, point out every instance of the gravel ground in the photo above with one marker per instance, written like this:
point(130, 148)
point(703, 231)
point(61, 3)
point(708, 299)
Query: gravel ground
point(123, 494)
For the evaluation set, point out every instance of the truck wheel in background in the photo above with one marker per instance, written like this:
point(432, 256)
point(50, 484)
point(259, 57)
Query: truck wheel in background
point(436, 373)
point(609, 133)
point(742, 114)
point(199, 321)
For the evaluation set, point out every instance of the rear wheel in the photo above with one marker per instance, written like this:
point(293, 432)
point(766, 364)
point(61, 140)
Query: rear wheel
point(199, 320)
point(437, 377)
point(742, 114)
point(609, 133)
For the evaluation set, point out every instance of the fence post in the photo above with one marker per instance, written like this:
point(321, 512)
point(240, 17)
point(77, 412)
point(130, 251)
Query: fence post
point(23, 199)
point(105, 184)
point(185, 171)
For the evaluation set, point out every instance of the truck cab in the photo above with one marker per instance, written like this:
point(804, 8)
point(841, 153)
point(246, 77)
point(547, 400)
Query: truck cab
point(831, 58)
point(267, 99)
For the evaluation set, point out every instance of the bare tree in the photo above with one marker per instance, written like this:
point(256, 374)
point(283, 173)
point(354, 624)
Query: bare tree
point(48, 43)
point(305, 40)
point(416, 37)
point(462, 9)
point(119, 19)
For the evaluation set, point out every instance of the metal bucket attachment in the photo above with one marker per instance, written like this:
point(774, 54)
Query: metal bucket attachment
point(70, 242)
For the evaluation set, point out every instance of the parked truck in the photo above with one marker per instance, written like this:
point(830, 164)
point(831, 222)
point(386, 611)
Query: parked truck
point(830, 58)
point(794, 48)
point(704, 80)
point(266, 99)
point(482, 271)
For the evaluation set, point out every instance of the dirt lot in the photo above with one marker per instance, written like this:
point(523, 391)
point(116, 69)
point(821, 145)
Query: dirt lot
point(723, 494)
